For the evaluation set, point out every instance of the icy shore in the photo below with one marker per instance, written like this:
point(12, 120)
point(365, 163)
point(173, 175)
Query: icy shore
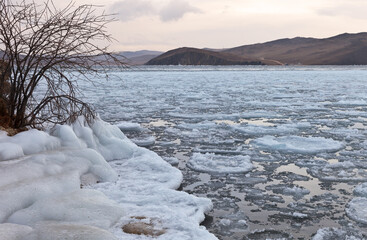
point(81, 182)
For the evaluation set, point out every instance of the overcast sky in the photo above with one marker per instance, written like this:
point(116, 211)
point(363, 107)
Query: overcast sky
point(167, 24)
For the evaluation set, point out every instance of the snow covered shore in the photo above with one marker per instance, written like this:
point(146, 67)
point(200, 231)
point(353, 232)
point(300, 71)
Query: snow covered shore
point(81, 182)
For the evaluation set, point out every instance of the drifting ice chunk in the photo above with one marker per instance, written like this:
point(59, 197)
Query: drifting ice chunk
point(171, 160)
point(212, 163)
point(357, 209)
point(130, 127)
point(271, 130)
point(296, 192)
point(296, 144)
point(361, 190)
point(144, 142)
point(336, 233)
point(339, 172)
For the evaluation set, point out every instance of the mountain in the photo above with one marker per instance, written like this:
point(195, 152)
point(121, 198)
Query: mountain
point(132, 54)
point(344, 49)
point(194, 56)
point(139, 57)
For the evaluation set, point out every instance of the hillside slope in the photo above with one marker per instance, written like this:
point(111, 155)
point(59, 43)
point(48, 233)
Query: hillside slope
point(344, 49)
point(194, 56)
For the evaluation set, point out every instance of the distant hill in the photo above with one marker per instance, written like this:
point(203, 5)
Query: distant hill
point(344, 49)
point(139, 57)
point(194, 56)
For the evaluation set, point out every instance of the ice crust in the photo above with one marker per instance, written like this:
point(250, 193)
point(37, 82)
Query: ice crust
point(212, 163)
point(357, 209)
point(361, 190)
point(41, 175)
point(296, 144)
point(336, 233)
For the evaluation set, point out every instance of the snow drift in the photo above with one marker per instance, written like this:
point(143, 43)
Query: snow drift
point(58, 185)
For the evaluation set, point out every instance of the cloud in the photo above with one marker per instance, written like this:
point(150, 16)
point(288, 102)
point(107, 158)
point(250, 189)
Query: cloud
point(356, 11)
point(174, 10)
point(131, 9)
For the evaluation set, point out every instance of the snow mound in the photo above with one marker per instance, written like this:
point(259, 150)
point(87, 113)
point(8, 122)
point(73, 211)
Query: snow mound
point(41, 176)
point(212, 163)
point(357, 209)
point(296, 144)
point(85, 206)
point(10, 150)
point(65, 231)
point(10, 231)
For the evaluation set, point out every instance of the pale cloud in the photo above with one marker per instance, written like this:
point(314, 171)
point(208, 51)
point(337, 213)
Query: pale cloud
point(129, 10)
point(353, 9)
point(168, 24)
point(176, 9)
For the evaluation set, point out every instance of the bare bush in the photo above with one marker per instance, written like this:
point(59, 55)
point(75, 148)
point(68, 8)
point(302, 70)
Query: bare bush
point(50, 49)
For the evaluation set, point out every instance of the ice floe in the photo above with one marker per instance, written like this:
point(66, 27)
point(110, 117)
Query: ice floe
point(337, 233)
point(357, 209)
point(213, 163)
point(296, 144)
point(361, 190)
point(282, 129)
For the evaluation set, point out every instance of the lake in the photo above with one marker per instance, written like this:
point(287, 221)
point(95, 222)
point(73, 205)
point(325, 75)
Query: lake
point(279, 150)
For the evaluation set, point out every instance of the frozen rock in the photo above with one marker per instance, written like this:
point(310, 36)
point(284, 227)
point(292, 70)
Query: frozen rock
point(221, 164)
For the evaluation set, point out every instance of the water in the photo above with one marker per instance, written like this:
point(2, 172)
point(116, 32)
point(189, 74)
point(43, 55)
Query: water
point(303, 128)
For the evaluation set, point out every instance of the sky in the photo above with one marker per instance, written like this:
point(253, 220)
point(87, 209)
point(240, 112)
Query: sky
point(167, 24)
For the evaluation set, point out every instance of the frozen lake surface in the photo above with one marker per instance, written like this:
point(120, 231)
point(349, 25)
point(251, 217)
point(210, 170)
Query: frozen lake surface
point(281, 151)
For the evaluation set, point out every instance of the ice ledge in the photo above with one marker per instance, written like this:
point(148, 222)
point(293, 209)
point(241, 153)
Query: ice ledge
point(40, 185)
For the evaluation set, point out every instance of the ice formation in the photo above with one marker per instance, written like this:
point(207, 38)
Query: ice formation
point(41, 175)
point(361, 190)
point(357, 209)
point(337, 233)
point(213, 163)
point(296, 144)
